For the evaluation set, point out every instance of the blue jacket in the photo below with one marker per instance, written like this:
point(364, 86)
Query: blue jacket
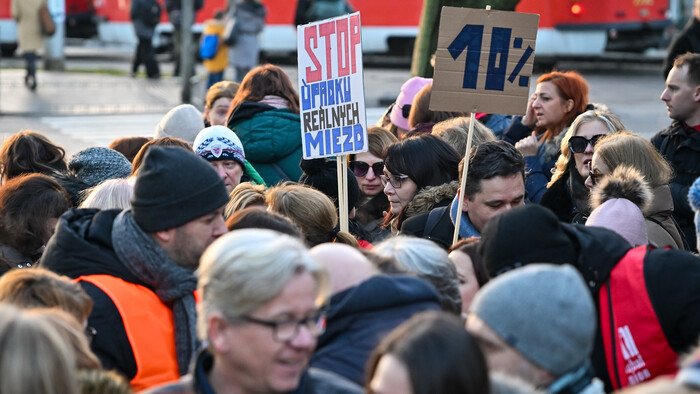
point(361, 316)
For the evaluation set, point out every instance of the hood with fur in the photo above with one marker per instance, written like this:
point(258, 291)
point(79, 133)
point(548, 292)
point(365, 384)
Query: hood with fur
point(430, 197)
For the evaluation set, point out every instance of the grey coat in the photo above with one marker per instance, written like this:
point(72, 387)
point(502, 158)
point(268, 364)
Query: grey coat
point(250, 21)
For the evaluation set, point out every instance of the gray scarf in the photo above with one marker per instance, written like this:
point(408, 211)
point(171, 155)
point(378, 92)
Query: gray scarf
point(173, 284)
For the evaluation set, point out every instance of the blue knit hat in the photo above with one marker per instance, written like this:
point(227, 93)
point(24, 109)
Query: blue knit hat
point(97, 164)
point(694, 200)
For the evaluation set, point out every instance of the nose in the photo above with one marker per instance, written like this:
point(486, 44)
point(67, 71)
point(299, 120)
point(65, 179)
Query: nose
point(589, 148)
point(220, 170)
point(536, 103)
point(370, 174)
point(388, 189)
point(589, 183)
point(664, 95)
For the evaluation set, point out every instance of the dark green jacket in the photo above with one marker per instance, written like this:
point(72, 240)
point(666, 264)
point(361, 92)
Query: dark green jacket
point(271, 139)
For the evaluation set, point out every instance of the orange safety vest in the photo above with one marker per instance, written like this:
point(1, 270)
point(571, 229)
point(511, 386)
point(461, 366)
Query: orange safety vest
point(149, 326)
point(636, 348)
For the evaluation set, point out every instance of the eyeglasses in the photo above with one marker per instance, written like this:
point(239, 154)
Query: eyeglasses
point(395, 180)
point(360, 168)
point(578, 144)
point(287, 330)
point(595, 177)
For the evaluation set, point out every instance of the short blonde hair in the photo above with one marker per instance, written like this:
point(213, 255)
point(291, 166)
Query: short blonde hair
point(456, 130)
point(110, 194)
point(627, 148)
point(245, 194)
point(244, 269)
point(34, 357)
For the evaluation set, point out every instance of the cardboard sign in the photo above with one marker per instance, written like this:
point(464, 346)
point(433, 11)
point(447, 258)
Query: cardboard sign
point(484, 61)
point(331, 90)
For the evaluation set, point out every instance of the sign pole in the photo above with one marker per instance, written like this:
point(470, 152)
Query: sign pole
point(342, 167)
point(463, 182)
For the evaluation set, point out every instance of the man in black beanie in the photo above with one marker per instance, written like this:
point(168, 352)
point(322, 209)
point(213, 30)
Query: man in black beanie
point(648, 299)
point(138, 265)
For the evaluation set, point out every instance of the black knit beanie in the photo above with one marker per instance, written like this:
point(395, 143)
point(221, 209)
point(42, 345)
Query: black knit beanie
point(322, 174)
point(175, 186)
point(524, 235)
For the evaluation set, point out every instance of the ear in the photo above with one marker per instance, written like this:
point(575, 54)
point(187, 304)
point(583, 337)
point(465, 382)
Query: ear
point(216, 333)
point(569, 105)
point(164, 236)
point(465, 203)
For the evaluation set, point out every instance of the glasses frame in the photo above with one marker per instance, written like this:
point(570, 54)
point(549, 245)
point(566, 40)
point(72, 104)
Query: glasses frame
point(316, 329)
point(592, 141)
point(395, 180)
point(361, 168)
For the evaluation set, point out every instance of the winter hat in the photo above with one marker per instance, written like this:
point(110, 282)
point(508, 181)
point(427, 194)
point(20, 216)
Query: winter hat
point(694, 200)
point(97, 164)
point(183, 121)
point(322, 174)
point(408, 91)
point(543, 311)
point(219, 143)
point(617, 203)
point(174, 187)
point(524, 235)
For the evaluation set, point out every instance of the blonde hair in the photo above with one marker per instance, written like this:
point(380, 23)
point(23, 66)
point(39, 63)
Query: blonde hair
point(456, 130)
point(600, 114)
point(244, 195)
point(244, 269)
point(72, 333)
point(634, 151)
point(311, 210)
point(98, 381)
point(40, 288)
point(33, 356)
point(110, 194)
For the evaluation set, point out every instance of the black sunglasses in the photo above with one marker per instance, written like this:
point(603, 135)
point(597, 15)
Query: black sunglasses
point(578, 144)
point(595, 177)
point(360, 168)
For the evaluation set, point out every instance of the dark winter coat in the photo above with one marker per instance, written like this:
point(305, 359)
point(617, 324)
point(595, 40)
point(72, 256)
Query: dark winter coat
point(271, 139)
point(361, 316)
point(559, 199)
point(687, 41)
point(11, 258)
point(82, 245)
point(313, 381)
point(145, 15)
point(680, 146)
point(671, 276)
point(424, 201)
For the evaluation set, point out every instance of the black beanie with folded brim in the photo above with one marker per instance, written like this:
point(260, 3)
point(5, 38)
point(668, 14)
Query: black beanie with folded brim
point(175, 186)
point(525, 235)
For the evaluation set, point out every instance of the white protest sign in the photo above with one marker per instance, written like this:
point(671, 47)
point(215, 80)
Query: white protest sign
point(331, 89)
point(484, 61)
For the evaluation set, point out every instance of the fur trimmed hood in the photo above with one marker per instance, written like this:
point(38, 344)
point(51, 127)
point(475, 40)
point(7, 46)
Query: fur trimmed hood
point(625, 182)
point(429, 197)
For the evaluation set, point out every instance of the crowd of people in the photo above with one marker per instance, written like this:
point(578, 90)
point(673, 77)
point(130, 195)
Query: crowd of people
point(210, 258)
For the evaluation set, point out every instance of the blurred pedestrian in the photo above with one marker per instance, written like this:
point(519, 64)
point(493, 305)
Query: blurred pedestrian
point(212, 49)
point(688, 40)
point(29, 35)
point(145, 16)
point(248, 16)
point(217, 102)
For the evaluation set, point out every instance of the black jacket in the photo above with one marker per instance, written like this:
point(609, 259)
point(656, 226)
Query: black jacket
point(82, 245)
point(687, 41)
point(671, 276)
point(361, 316)
point(680, 146)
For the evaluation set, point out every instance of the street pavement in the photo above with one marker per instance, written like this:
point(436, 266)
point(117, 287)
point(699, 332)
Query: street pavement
point(95, 100)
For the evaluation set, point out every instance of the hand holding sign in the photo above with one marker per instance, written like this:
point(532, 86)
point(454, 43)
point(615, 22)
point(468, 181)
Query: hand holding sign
point(483, 61)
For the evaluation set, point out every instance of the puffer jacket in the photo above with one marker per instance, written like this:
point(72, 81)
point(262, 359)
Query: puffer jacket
point(271, 139)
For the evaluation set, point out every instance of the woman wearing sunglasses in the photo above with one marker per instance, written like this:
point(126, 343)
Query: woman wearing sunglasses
point(626, 148)
point(566, 194)
point(367, 168)
point(420, 173)
point(558, 99)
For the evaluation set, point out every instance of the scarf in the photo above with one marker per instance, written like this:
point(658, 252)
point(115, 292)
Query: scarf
point(173, 284)
point(466, 228)
point(275, 101)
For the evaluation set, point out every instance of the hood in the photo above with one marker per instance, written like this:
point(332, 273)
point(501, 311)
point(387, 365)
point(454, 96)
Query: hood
point(431, 197)
point(378, 295)
point(82, 245)
point(598, 252)
point(268, 134)
point(661, 202)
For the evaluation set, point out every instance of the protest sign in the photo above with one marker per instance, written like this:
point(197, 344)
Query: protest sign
point(331, 90)
point(483, 61)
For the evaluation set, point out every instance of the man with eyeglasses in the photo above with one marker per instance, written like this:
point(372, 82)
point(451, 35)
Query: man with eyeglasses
point(680, 142)
point(260, 314)
point(495, 184)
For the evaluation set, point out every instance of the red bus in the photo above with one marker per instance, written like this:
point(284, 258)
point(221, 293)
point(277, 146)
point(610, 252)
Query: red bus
point(567, 27)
